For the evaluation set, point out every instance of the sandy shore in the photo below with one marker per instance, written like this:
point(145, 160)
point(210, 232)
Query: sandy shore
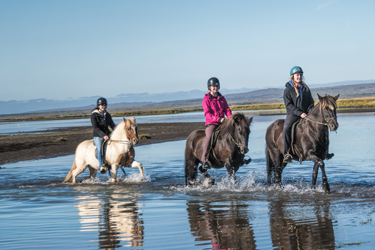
point(61, 142)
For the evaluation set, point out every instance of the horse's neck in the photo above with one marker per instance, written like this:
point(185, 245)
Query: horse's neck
point(119, 134)
point(315, 120)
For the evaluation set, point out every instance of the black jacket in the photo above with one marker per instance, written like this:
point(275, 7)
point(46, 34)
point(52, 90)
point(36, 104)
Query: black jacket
point(295, 105)
point(100, 123)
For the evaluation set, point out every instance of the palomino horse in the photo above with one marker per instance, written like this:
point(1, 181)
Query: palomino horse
point(229, 149)
point(120, 152)
point(310, 142)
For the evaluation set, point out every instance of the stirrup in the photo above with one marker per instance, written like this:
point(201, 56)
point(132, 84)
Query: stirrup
point(287, 158)
point(205, 165)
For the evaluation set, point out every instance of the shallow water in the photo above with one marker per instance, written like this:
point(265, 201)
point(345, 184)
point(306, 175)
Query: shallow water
point(159, 212)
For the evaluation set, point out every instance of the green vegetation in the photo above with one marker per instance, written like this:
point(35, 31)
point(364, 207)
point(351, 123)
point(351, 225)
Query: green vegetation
point(354, 103)
point(144, 137)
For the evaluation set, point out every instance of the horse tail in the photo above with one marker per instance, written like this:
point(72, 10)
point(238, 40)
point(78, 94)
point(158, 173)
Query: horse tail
point(69, 175)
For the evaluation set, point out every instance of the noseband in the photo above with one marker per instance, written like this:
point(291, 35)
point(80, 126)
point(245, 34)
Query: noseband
point(237, 142)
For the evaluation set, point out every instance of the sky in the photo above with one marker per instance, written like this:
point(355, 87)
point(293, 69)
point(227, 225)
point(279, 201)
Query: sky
point(69, 49)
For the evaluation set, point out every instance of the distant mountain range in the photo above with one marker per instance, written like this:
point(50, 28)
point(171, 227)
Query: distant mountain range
point(349, 89)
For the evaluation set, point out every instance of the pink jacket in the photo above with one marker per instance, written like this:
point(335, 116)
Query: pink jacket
point(215, 108)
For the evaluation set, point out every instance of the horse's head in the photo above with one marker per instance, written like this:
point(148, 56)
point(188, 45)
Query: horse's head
point(328, 107)
point(131, 130)
point(241, 130)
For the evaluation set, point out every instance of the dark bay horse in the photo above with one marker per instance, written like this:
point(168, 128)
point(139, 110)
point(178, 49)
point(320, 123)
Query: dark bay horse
point(310, 143)
point(229, 150)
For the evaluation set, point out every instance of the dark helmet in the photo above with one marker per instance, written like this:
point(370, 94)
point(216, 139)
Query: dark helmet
point(101, 101)
point(296, 69)
point(213, 81)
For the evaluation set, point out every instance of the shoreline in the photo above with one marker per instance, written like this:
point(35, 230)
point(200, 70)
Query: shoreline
point(63, 141)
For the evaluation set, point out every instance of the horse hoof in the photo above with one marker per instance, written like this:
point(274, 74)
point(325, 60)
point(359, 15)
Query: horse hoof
point(326, 188)
point(206, 180)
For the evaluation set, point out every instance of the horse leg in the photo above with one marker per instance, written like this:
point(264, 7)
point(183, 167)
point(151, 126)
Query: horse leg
point(92, 172)
point(138, 165)
point(76, 172)
point(270, 167)
point(315, 174)
point(191, 171)
point(320, 164)
point(114, 172)
point(325, 179)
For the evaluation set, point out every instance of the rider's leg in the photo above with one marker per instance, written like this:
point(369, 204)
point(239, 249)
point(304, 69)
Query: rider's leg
point(208, 131)
point(98, 141)
point(289, 120)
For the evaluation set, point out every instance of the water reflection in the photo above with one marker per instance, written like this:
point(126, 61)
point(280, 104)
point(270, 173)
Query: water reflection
point(225, 225)
point(115, 216)
point(295, 225)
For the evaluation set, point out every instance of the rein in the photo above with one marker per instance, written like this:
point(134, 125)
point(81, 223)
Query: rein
point(322, 123)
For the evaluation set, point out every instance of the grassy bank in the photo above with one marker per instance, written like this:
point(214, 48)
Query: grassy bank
point(343, 104)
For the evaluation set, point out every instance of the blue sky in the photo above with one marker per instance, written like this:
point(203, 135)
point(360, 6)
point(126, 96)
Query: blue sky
point(77, 48)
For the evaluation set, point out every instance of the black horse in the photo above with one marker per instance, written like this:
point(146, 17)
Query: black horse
point(310, 141)
point(229, 149)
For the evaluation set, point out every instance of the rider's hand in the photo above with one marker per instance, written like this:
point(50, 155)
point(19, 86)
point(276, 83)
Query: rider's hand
point(303, 115)
point(106, 137)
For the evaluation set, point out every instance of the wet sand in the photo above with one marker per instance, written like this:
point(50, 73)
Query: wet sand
point(61, 142)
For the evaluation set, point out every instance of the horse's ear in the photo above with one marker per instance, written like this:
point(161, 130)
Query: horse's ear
point(124, 119)
point(320, 98)
point(134, 119)
point(336, 97)
point(250, 119)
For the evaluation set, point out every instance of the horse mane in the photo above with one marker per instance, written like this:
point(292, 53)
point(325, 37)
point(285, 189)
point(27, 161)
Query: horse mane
point(328, 101)
point(228, 124)
point(120, 129)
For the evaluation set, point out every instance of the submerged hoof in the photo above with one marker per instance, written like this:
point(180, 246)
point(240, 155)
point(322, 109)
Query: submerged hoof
point(206, 180)
point(326, 188)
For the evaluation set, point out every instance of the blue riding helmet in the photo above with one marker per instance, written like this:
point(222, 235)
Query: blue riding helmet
point(296, 69)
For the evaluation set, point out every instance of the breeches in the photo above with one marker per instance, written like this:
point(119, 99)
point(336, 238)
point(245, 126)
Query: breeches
point(208, 131)
point(287, 138)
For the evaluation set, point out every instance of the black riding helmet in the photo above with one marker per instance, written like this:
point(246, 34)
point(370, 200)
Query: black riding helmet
point(101, 101)
point(213, 81)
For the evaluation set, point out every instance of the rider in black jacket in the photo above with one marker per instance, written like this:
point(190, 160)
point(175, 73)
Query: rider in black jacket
point(298, 102)
point(101, 120)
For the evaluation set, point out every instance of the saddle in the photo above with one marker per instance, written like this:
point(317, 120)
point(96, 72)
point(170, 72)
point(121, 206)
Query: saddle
point(293, 134)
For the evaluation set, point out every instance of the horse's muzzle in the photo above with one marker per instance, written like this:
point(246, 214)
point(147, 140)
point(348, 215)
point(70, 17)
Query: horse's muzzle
point(135, 141)
point(333, 126)
point(244, 150)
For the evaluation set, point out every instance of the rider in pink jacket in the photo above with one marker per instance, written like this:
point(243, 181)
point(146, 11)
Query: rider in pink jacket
point(215, 107)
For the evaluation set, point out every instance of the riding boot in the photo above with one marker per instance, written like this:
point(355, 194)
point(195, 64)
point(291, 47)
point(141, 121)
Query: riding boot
point(103, 168)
